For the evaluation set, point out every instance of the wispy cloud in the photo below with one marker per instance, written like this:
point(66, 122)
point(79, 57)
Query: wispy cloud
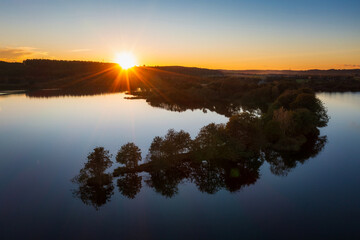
point(20, 53)
point(81, 50)
point(352, 65)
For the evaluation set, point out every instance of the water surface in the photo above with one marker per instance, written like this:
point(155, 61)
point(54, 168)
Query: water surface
point(44, 142)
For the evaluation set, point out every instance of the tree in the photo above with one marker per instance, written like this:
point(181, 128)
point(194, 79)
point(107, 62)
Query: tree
point(98, 161)
point(95, 186)
point(284, 117)
point(169, 148)
point(244, 128)
point(129, 154)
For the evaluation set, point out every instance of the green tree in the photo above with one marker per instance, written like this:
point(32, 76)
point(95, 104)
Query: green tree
point(244, 129)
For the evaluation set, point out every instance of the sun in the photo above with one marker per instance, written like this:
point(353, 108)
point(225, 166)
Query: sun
point(126, 60)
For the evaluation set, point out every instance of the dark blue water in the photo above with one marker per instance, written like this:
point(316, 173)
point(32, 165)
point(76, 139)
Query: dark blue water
point(45, 142)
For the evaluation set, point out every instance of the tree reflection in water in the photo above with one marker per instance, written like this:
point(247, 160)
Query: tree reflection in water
point(222, 156)
point(129, 184)
point(95, 186)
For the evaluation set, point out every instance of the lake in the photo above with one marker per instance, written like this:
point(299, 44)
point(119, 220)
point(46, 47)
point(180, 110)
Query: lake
point(44, 142)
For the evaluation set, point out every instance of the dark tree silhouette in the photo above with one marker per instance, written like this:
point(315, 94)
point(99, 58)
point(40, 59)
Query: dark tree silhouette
point(165, 181)
point(238, 175)
point(281, 163)
point(165, 150)
point(129, 154)
point(208, 178)
point(95, 186)
point(129, 184)
point(222, 156)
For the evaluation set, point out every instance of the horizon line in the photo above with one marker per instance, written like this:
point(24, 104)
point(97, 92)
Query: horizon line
point(218, 69)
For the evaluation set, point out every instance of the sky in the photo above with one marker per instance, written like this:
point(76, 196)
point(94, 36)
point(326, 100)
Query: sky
point(242, 34)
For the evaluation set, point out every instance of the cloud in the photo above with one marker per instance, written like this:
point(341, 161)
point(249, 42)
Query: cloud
point(20, 53)
point(352, 65)
point(81, 50)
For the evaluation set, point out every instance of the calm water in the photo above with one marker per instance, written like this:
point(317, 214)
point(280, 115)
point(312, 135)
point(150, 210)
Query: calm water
point(44, 142)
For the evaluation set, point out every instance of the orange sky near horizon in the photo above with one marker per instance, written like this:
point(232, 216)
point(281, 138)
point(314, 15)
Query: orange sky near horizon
point(215, 60)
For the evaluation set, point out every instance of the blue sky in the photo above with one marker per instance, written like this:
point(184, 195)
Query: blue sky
point(217, 34)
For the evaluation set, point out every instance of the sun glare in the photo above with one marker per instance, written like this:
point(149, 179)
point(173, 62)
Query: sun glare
point(125, 60)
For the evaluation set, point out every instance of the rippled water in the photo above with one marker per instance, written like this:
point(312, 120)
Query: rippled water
point(44, 142)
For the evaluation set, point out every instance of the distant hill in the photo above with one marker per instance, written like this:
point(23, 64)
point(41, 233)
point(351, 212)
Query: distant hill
point(192, 71)
point(313, 72)
point(98, 77)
